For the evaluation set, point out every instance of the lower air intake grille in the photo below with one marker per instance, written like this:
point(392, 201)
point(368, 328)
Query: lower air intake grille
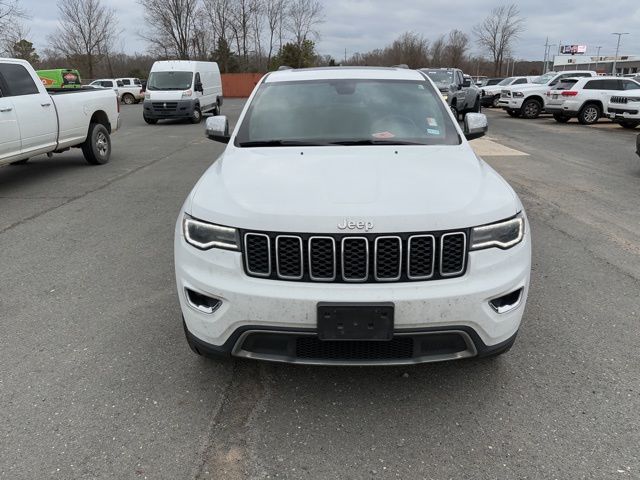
point(312, 348)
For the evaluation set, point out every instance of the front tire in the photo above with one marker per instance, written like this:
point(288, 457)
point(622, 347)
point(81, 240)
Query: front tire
point(128, 99)
point(151, 121)
point(97, 147)
point(454, 110)
point(560, 118)
point(531, 109)
point(630, 124)
point(196, 116)
point(589, 114)
point(477, 108)
point(495, 101)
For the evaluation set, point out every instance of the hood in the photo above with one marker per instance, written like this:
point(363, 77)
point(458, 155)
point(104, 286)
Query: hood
point(494, 88)
point(526, 87)
point(398, 188)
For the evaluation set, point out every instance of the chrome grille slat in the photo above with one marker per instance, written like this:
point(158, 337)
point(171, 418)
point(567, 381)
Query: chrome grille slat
point(367, 258)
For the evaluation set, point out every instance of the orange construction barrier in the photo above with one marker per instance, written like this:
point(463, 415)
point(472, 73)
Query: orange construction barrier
point(239, 85)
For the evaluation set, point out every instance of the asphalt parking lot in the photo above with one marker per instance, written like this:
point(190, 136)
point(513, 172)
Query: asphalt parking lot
point(98, 382)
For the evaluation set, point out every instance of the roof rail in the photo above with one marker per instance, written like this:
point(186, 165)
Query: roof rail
point(402, 65)
point(285, 67)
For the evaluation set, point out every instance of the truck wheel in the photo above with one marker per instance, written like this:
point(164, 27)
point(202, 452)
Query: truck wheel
point(476, 107)
point(97, 147)
point(128, 99)
point(589, 114)
point(495, 101)
point(513, 113)
point(20, 162)
point(630, 124)
point(531, 109)
point(454, 110)
point(150, 121)
point(560, 118)
point(196, 116)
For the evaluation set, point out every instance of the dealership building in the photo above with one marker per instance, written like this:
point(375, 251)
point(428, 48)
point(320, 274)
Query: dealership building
point(626, 64)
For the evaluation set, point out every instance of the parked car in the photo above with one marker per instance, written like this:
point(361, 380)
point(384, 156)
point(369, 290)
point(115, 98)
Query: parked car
point(624, 108)
point(182, 89)
point(60, 78)
point(490, 94)
point(461, 95)
point(584, 98)
point(131, 90)
point(110, 83)
point(312, 238)
point(528, 101)
point(36, 121)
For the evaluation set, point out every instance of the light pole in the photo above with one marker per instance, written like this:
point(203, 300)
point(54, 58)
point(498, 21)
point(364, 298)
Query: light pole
point(615, 60)
point(598, 57)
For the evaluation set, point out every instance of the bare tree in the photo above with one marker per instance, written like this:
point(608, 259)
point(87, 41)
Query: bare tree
point(11, 29)
point(172, 27)
point(274, 11)
point(456, 48)
point(217, 12)
point(498, 32)
point(437, 52)
point(303, 18)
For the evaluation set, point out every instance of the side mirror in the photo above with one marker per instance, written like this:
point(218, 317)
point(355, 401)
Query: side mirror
point(475, 125)
point(458, 86)
point(217, 129)
point(466, 83)
point(198, 87)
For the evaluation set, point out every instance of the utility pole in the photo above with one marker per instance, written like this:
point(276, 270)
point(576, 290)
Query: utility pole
point(615, 60)
point(546, 52)
point(598, 57)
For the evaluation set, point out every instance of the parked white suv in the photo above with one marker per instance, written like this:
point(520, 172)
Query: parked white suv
point(528, 101)
point(349, 221)
point(624, 108)
point(491, 93)
point(585, 98)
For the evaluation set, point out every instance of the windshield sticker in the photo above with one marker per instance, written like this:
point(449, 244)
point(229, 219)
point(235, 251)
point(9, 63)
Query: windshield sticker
point(433, 131)
point(383, 135)
point(432, 122)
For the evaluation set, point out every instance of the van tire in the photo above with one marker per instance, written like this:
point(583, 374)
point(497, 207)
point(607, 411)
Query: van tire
point(128, 99)
point(196, 116)
point(150, 121)
point(97, 147)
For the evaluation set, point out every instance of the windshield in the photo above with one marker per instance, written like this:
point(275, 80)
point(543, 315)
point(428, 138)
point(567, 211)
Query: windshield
point(544, 79)
point(347, 112)
point(440, 76)
point(507, 81)
point(169, 80)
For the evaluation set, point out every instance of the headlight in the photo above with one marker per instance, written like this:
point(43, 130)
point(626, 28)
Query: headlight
point(633, 99)
point(187, 94)
point(503, 234)
point(147, 96)
point(518, 94)
point(205, 235)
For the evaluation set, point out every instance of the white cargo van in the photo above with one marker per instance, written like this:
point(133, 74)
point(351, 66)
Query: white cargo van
point(182, 89)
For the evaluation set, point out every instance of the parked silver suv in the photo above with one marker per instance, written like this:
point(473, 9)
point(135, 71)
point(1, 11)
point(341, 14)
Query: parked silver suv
point(459, 92)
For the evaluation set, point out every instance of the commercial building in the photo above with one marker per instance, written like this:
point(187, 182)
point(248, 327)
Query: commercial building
point(626, 64)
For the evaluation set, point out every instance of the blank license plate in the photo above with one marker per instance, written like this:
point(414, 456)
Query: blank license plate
point(355, 321)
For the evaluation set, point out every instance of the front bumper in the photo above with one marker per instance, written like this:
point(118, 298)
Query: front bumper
point(159, 109)
point(510, 103)
point(624, 113)
point(247, 303)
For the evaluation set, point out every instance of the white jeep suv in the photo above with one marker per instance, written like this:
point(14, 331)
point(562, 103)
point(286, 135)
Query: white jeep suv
point(349, 221)
point(528, 101)
point(624, 108)
point(585, 98)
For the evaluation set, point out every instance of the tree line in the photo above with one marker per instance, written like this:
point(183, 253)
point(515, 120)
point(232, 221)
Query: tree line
point(243, 35)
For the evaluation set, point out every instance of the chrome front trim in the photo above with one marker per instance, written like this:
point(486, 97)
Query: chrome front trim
point(507, 308)
point(471, 351)
point(366, 243)
point(375, 259)
point(311, 275)
point(246, 254)
point(433, 258)
point(289, 277)
point(464, 253)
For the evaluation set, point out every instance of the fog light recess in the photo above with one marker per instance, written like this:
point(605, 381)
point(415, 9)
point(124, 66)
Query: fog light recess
point(507, 302)
point(202, 302)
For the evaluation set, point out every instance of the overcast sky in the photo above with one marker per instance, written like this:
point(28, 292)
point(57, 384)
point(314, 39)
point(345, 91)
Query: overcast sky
point(362, 25)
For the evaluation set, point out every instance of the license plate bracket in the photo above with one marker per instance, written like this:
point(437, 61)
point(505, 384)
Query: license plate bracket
point(355, 321)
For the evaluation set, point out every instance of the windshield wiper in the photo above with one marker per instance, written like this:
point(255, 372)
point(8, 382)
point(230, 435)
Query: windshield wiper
point(282, 143)
point(369, 141)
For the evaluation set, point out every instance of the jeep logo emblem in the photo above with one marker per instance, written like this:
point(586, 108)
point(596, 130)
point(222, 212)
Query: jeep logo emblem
point(352, 225)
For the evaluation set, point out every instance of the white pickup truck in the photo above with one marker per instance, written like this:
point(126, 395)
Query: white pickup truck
point(34, 121)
